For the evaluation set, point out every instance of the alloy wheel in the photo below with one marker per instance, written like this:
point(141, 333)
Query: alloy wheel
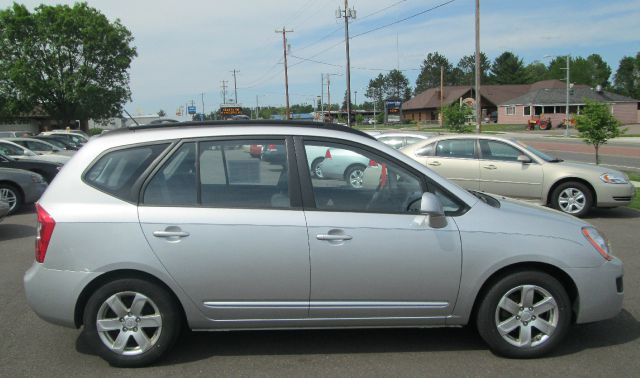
point(572, 200)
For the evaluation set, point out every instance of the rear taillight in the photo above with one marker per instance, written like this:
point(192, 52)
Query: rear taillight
point(272, 148)
point(327, 154)
point(43, 232)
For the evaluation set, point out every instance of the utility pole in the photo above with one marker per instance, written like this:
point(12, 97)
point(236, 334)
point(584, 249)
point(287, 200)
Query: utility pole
point(286, 76)
point(322, 96)
point(257, 107)
point(440, 116)
point(478, 105)
point(329, 96)
point(566, 123)
point(235, 86)
point(224, 91)
point(347, 14)
point(202, 97)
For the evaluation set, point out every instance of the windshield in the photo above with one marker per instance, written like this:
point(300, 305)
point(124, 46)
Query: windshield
point(541, 155)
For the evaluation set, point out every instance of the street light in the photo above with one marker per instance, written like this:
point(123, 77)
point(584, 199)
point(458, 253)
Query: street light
point(566, 122)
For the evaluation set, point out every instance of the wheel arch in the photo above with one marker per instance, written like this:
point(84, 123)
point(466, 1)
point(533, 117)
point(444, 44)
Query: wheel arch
point(90, 288)
point(570, 179)
point(14, 185)
point(565, 280)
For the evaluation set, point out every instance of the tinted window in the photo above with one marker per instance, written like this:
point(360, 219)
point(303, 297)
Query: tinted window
point(176, 182)
point(9, 149)
point(36, 146)
point(426, 150)
point(457, 148)
point(116, 171)
point(494, 150)
point(228, 176)
point(350, 179)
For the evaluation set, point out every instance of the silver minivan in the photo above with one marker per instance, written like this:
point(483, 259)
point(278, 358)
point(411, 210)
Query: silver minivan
point(178, 224)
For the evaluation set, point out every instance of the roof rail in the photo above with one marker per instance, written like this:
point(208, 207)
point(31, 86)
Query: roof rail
point(221, 123)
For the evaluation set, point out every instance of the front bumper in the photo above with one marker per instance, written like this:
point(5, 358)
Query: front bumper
point(53, 294)
point(600, 291)
point(611, 195)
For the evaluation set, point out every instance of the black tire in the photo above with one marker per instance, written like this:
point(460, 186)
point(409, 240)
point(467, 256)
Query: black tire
point(357, 184)
point(582, 198)
point(160, 339)
point(525, 321)
point(11, 194)
point(314, 167)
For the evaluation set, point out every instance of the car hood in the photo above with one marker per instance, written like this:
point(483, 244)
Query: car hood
point(519, 217)
point(51, 158)
point(39, 162)
point(583, 168)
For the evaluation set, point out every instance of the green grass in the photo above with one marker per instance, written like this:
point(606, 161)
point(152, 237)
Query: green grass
point(635, 203)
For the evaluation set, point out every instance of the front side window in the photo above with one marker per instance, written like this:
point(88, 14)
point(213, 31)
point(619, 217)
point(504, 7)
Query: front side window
point(352, 179)
point(494, 150)
point(8, 149)
point(116, 171)
point(456, 148)
point(224, 174)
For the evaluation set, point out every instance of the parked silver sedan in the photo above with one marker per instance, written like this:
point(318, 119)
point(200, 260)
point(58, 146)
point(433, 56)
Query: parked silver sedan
point(400, 140)
point(511, 168)
point(213, 239)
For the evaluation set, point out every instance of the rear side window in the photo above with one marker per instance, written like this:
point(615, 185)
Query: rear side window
point(117, 171)
point(456, 148)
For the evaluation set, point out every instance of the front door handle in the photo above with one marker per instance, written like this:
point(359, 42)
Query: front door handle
point(490, 166)
point(335, 237)
point(434, 163)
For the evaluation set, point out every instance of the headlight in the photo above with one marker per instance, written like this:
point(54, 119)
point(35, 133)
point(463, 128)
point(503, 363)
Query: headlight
point(598, 241)
point(614, 178)
point(37, 179)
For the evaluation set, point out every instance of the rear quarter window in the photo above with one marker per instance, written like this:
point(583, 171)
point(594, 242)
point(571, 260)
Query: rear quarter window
point(117, 171)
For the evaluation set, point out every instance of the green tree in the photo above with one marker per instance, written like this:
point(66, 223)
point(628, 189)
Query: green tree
point(467, 69)
point(627, 79)
point(455, 117)
point(396, 85)
point(597, 125)
point(429, 76)
point(375, 91)
point(535, 71)
point(69, 61)
point(600, 71)
point(507, 69)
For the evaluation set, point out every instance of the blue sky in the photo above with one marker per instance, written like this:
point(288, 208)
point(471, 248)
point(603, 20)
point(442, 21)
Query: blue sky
point(188, 47)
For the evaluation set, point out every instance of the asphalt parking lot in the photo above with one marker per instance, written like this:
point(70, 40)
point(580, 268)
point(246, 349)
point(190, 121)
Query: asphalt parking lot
point(31, 347)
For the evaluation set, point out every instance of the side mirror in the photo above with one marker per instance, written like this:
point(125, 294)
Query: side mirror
point(524, 159)
point(431, 206)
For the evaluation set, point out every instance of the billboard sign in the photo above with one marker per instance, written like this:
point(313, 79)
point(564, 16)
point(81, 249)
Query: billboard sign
point(191, 109)
point(230, 110)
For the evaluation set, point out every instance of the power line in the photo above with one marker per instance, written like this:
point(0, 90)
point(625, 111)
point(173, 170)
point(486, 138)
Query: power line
point(404, 19)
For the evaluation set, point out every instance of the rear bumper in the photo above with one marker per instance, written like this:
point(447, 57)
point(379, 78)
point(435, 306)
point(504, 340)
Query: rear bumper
point(53, 294)
point(600, 291)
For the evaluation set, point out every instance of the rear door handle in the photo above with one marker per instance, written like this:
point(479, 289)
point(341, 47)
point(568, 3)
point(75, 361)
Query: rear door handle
point(169, 234)
point(333, 237)
point(435, 163)
point(491, 166)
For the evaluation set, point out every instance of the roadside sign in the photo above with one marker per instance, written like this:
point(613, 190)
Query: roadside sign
point(191, 109)
point(230, 110)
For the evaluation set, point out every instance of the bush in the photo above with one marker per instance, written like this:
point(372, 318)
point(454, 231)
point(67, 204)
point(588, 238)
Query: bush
point(455, 117)
point(95, 131)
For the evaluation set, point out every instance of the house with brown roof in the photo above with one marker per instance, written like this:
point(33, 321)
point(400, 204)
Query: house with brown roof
point(517, 103)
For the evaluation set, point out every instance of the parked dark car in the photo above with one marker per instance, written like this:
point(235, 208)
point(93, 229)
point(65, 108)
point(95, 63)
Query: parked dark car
point(48, 170)
point(19, 187)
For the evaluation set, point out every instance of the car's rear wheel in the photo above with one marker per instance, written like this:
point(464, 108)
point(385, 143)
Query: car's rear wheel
point(315, 168)
point(131, 322)
point(572, 198)
point(354, 175)
point(11, 195)
point(524, 315)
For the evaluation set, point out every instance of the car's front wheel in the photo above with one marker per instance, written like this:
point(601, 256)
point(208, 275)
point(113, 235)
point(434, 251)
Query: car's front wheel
point(572, 198)
point(524, 315)
point(355, 175)
point(131, 322)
